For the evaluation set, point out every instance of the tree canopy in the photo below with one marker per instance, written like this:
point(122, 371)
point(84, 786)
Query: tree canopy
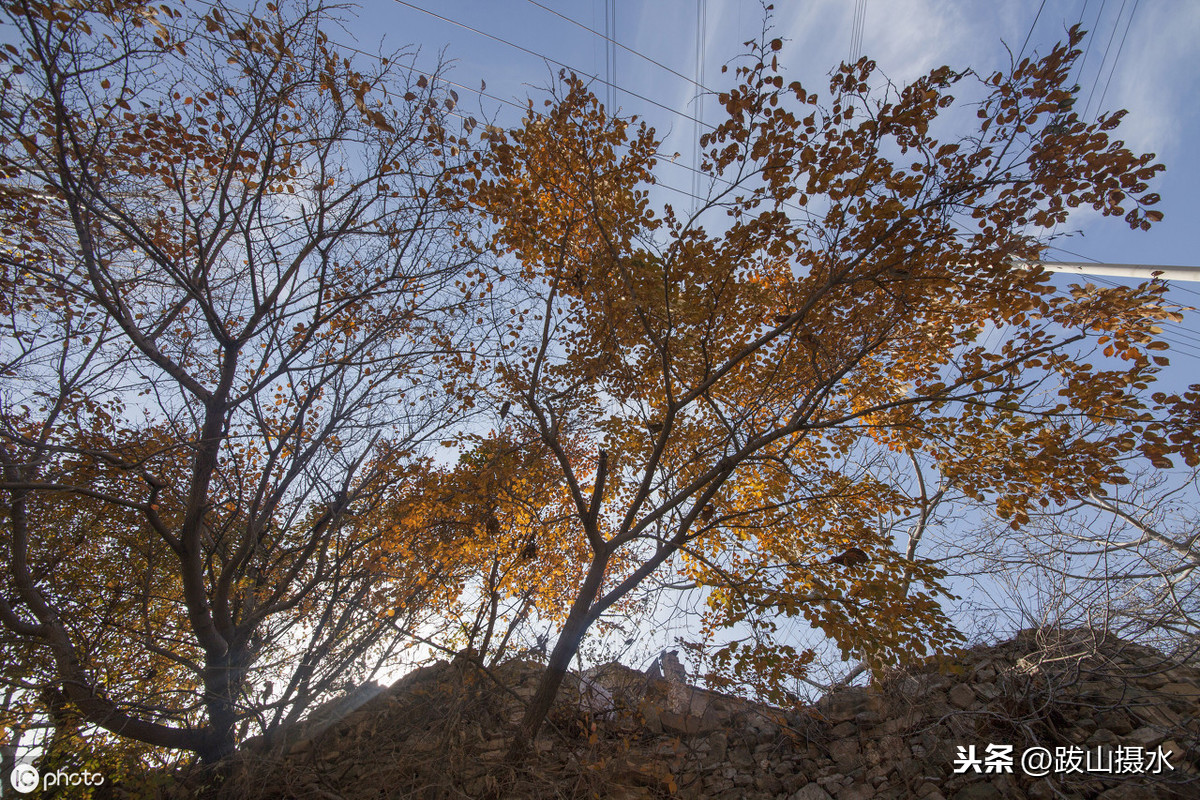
point(725, 399)
point(227, 298)
point(248, 285)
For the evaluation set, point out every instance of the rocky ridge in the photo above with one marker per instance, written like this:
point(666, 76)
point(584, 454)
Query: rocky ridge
point(1108, 714)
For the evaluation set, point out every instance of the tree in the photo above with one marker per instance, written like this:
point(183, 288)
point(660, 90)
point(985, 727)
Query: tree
point(723, 397)
point(509, 517)
point(1120, 563)
point(232, 316)
point(1124, 563)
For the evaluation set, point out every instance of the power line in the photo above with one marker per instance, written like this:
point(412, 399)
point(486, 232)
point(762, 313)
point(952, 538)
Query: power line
point(853, 29)
point(701, 44)
point(1117, 58)
point(607, 50)
point(1185, 337)
point(1104, 58)
point(524, 108)
point(694, 169)
point(1182, 346)
point(1032, 25)
point(555, 62)
point(1091, 37)
point(1082, 11)
point(614, 42)
point(862, 29)
point(610, 53)
point(856, 30)
point(484, 93)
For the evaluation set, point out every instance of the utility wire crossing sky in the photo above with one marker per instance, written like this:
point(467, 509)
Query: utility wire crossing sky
point(661, 60)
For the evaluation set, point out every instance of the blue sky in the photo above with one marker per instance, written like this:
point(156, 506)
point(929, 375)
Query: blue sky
point(1141, 57)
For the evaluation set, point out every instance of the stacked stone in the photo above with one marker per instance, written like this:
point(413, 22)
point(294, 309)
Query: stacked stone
point(929, 733)
point(901, 738)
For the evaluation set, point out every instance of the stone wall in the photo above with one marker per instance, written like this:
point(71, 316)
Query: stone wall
point(618, 733)
point(1110, 706)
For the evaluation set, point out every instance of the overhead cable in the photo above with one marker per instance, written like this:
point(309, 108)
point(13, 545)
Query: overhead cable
point(1032, 25)
point(555, 62)
point(1117, 58)
point(614, 42)
point(1104, 58)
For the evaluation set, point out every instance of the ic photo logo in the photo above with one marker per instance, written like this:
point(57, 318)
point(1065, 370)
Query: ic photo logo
point(24, 778)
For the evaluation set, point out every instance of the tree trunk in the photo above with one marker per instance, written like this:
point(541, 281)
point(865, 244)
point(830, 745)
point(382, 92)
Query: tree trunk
point(564, 650)
point(222, 684)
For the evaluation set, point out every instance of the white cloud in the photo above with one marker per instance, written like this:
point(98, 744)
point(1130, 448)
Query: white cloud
point(1156, 78)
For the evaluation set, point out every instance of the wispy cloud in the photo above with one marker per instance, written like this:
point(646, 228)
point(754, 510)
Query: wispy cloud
point(1156, 79)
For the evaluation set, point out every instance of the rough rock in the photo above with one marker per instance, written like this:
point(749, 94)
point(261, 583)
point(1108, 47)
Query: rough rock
point(620, 733)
